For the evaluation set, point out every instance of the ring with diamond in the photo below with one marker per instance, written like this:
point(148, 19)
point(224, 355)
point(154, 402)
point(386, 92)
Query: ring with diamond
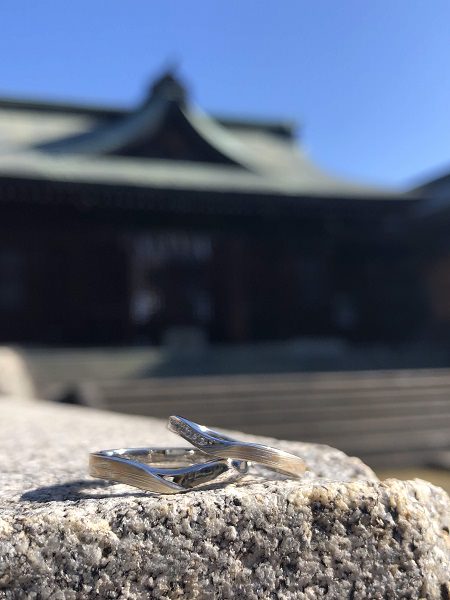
point(163, 470)
point(218, 445)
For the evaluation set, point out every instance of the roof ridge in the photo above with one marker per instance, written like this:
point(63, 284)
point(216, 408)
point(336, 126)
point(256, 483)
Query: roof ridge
point(282, 127)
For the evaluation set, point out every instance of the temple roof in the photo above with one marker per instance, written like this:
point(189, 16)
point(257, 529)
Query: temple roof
point(165, 143)
point(436, 192)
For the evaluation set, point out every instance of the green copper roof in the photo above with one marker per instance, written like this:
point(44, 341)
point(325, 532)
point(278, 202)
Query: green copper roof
point(84, 146)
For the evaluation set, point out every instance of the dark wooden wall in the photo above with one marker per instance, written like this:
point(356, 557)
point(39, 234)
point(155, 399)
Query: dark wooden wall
point(275, 269)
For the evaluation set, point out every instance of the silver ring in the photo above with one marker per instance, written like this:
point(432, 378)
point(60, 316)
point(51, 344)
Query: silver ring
point(219, 445)
point(145, 468)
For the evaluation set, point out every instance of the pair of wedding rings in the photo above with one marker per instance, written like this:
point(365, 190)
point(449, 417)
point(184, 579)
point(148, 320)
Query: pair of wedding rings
point(215, 458)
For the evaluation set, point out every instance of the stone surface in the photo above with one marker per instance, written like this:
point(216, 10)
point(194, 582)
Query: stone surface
point(337, 533)
point(15, 379)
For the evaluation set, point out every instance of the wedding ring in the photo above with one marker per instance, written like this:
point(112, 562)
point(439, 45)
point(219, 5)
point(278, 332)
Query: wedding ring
point(163, 470)
point(218, 445)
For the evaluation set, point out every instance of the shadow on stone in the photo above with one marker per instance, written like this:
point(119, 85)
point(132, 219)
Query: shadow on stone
point(75, 490)
point(72, 491)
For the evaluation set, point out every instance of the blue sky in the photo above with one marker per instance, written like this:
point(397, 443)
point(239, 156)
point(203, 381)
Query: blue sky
point(367, 80)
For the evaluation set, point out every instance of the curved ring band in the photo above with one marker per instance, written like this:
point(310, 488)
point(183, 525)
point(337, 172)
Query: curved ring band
point(216, 444)
point(163, 470)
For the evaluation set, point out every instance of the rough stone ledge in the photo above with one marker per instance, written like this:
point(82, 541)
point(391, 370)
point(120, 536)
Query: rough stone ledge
point(338, 533)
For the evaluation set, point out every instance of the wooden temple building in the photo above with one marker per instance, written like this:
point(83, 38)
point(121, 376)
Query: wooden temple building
point(119, 225)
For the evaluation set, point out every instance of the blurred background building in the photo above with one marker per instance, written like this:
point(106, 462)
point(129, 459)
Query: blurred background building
point(123, 227)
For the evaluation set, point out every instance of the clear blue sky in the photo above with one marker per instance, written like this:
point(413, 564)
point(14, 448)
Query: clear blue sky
point(368, 80)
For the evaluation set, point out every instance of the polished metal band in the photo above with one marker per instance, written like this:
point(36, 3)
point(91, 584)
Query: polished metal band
point(163, 470)
point(219, 445)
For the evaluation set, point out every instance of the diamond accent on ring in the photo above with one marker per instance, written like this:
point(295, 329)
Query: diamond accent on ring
point(191, 435)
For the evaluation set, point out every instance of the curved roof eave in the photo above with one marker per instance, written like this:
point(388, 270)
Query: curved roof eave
point(163, 174)
point(146, 122)
point(268, 162)
point(108, 139)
